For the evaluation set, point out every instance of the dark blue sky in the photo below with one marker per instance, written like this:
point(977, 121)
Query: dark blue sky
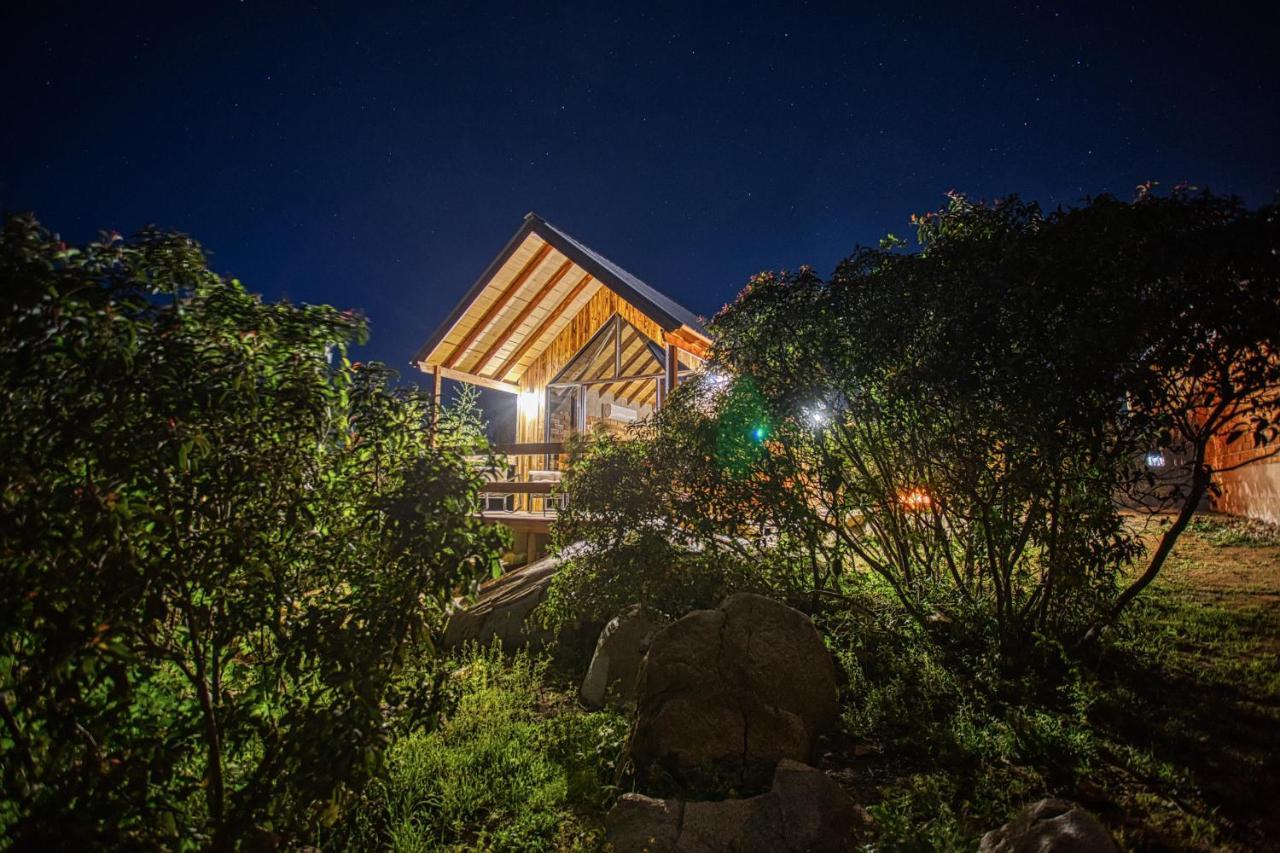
point(377, 156)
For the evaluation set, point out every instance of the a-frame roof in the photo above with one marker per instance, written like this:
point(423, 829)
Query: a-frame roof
point(525, 297)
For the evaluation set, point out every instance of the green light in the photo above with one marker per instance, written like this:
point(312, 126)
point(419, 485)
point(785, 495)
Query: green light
point(759, 433)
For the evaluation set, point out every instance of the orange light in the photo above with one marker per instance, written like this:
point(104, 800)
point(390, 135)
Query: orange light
point(915, 500)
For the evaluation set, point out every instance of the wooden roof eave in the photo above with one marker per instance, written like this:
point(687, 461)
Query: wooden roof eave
point(424, 352)
point(470, 378)
point(679, 327)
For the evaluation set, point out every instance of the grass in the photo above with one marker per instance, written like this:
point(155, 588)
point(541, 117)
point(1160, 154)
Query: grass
point(1172, 737)
point(516, 766)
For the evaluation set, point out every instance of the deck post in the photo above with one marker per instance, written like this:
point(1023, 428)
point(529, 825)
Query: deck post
point(436, 387)
point(673, 368)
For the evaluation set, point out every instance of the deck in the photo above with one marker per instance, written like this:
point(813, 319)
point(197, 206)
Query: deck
point(522, 522)
point(527, 506)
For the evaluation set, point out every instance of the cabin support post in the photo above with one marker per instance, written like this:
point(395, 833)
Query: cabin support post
point(436, 386)
point(673, 369)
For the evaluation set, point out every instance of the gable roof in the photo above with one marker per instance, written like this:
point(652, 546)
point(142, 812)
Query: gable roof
point(530, 291)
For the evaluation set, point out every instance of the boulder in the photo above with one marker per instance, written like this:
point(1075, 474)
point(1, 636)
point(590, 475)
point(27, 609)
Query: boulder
point(729, 692)
point(1050, 826)
point(616, 661)
point(502, 608)
point(637, 822)
point(817, 814)
point(805, 811)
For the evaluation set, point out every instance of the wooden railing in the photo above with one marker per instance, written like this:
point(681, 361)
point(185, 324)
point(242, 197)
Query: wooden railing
point(525, 491)
point(552, 448)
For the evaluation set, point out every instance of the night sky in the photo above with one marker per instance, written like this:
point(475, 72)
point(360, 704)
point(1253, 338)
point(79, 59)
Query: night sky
point(377, 156)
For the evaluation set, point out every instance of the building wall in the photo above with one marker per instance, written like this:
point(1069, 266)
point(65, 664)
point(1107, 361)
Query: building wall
point(1252, 491)
point(532, 399)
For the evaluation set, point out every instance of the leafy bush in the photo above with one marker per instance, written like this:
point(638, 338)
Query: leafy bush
point(642, 525)
point(462, 425)
point(959, 420)
point(1158, 735)
point(508, 770)
point(219, 540)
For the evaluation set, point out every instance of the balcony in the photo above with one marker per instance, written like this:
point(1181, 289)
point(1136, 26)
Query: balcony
point(518, 493)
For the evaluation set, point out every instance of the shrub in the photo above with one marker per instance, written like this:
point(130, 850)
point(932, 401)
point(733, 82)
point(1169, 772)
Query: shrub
point(643, 525)
point(508, 769)
point(961, 419)
point(220, 540)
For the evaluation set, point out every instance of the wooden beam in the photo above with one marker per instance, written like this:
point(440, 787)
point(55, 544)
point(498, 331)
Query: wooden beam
point(634, 393)
point(463, 376)
point(503, 487)
point(498, 304)
point(534, 448)
point(673, 368)
point(626, 392)
point(511, 328)
point(689, 341)
point(436, 385)
point(550, 319)
point(647, 392)
point(630, 377)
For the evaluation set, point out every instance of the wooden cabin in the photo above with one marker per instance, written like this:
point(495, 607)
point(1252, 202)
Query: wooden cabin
point(580, 343)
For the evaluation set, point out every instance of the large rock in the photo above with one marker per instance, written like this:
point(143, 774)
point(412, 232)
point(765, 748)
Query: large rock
point(805, 811)
point(1050, 826)
point(616, 663)
point(501, 611)
point(729, 692)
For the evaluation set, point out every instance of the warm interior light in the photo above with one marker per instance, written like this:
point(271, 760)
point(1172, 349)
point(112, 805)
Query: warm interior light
point(915, 500)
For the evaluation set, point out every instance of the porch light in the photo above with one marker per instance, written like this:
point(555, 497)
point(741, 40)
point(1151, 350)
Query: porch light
point(915, 500)
point(527, 400)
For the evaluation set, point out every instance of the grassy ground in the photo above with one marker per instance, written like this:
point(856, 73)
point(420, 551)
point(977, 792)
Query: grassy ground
point(517, 765)
point(1200, 665)
point(1172, 737)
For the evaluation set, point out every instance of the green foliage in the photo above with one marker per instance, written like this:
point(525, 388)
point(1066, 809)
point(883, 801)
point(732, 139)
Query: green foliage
point(961, 419)
point(462, 425)
point(1170, 731)
point(220, 541)
point(643, 524)
point(955, 423)
point(506, 771)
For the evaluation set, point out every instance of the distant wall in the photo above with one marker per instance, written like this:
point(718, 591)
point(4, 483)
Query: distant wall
point(1252, 491)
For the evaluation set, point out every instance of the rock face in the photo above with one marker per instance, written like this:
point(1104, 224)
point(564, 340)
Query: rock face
point(616, 662)
point(731, 691)
point(502, 608)
point(805, 811)
point(1050, 826)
